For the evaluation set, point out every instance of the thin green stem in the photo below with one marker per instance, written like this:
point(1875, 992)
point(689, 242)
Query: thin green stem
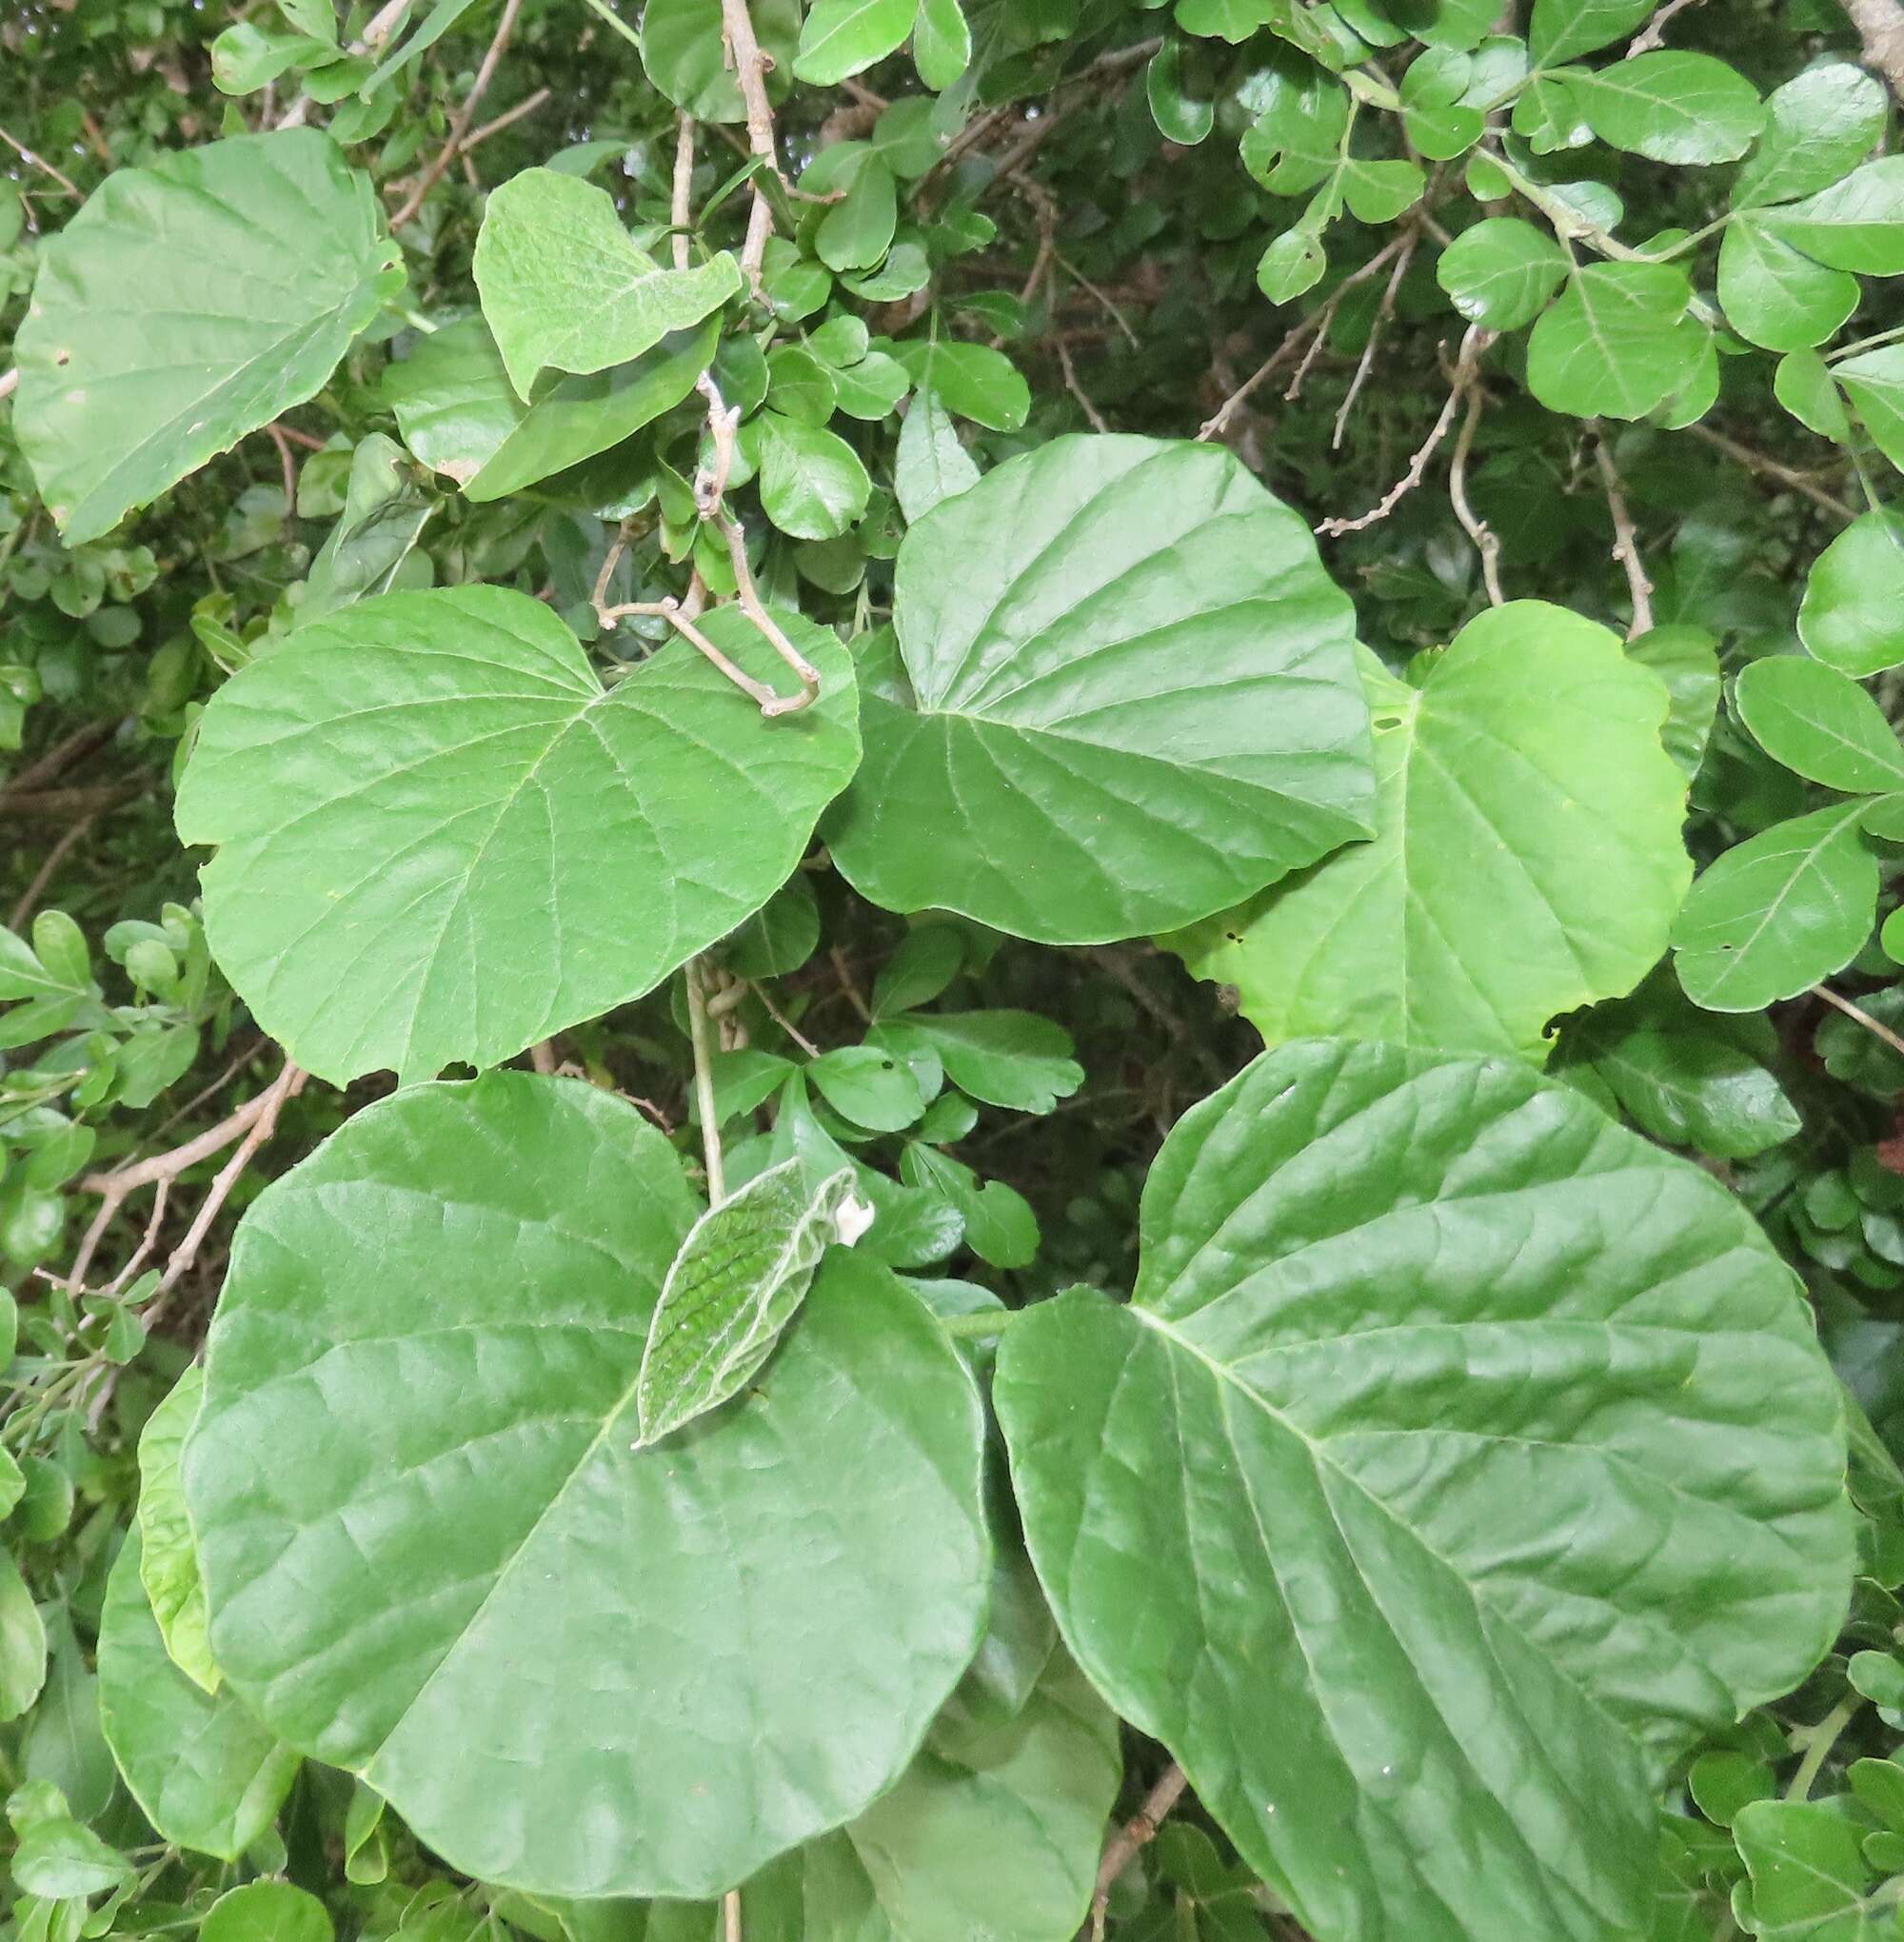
point(1820, 1740)
point(615, 20)
point(1870, 343)
point(701, 1036)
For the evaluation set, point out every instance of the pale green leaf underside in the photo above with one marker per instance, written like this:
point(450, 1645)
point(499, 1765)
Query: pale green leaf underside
point(736, 1283)
point(1124, 696)
point(204, 1773)
point(441, 839)
point(169, 1558)
point(572, 1665)
point(1460, 1457)
point(186, 304)
point(1527, 856)
point(564, 285)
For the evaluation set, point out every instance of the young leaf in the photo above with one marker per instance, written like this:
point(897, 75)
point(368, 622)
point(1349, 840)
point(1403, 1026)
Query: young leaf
point(1467, 1541)
point(1123, 695)
point(812, 484)
point(1875, 384)
point(1819, 126)
point(204, 1773)
point(1671, 107)
point(739, 1276)
point(1502, 272)
point(970, 380)
point(1527, 856)
point(1815, 720)
point(941, 43)
point(564, 285)
point(1808, 1871)
point(1853, 614)
point(187, 304)
point(167, 1558)
point(475, 1267)
point(1617, 343)
point(1686, 658)
point(866, 1085)
point(469, 843)
point(1857, 224)
point(1564, 29)
point(842, 37)
point(267, 1912)
point(1011, 1058)
point(1689, 1088)
point(1775, 296)
point(23, 1641)
point(931, 465)
point(1773, 916)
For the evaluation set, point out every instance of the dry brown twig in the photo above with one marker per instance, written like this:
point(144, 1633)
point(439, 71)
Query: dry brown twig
point(683, 184)
point(251, 1125)
point(458, 125)
point(1875, 1026)
point(1653, 34)
point(1473, 345)
point(378, 30)
point(1139, 1829)
point(750, 64)
point(34, 160)
point(1486, 543)
point(1625, 540)
point(1384, 310)
point(50, 864)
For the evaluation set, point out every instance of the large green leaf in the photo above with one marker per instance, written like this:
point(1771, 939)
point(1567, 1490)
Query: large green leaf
point(1460, 1458)
point(167, 1556)
point(1564, 29)
point(564, 285)
point(1124, 696)
point(1780, 912)
point(1527, 856)
point(1502, 272)
point(572, 1665)
point(204, 1772)
point(1819, 126)
point(841, 37)
point(187, 304)
point(443, 838)
point(995, 1829)
point(1875, 384)
point(1776, 295)
point(1857, 224)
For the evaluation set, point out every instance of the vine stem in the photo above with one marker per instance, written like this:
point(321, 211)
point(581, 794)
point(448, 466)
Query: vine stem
point(1875, 1026)
point(750, 72)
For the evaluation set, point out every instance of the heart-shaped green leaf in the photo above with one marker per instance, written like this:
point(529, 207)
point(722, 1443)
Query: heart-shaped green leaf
point(564, 285)
point(441, 838)
point(187, 303)
point(736, 1283)
point(574, 1665)
point(204, 1770)
point(1458, 1459)
point(1124, 694)
point(1527, 856)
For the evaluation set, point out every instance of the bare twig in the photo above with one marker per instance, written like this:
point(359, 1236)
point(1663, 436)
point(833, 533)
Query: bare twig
point(730, 1916)
point(1653, 34)
point(1473, 343)
point(526, 105)
point(113, 1188)
point(34, 160)
point(29, 897)
point(62, 755)
point(1625, 541)
point(1875, 1026)
point(289, 466)
point(750, 72)
point(781, 1019)
point(683, 183)
point(1367, 363)
point(1310, 331)
point(1486, 543)
point(9, 382)
point(1076, 389)
point(1139, 1829)
point(458, 125)
point(699, 1038)
point(1771, 469)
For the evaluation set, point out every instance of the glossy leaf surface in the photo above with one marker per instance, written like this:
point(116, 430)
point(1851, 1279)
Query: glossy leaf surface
point(471, 842)
point(1459, 1457)
point(535, 1640)
point(1123, 695)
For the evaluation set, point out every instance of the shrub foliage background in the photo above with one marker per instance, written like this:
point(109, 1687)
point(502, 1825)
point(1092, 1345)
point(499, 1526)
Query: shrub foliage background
point(932, 929)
